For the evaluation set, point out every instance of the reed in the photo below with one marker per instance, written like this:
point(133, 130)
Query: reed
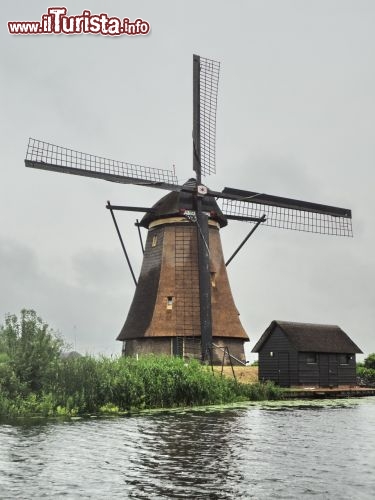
point(87, 385)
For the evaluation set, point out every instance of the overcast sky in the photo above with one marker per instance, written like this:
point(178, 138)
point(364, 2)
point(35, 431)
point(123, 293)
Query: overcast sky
point(295, 118)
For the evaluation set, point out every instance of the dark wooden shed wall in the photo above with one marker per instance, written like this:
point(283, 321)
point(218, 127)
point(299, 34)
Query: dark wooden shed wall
point(282, 367)
point(330, 370)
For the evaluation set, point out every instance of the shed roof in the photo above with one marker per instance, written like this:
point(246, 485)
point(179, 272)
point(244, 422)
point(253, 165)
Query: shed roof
point(310, 337)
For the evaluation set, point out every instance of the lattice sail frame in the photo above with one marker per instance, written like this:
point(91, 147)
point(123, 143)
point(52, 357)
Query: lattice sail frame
point(289, 218)
point(42, 154)
point(209, 82)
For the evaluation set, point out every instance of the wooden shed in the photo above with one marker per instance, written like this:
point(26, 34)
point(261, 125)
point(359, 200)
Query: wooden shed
point(308, 355)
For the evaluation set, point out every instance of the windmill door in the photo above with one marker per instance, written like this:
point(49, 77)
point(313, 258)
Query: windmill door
point(178, 346)
point(283, 368)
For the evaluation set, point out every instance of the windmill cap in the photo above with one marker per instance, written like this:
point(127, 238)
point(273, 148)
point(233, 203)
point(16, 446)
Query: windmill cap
point(173, 204)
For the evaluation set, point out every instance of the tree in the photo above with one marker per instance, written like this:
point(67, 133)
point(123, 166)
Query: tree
point(370, 361)
point(31, 347)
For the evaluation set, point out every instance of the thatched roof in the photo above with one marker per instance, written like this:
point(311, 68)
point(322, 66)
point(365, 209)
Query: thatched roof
point(309, 337)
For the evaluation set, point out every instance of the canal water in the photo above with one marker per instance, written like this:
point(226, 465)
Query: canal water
point(320, 450)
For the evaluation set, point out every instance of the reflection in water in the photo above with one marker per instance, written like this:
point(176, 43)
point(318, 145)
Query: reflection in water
point(325, 450)
point(192, 452)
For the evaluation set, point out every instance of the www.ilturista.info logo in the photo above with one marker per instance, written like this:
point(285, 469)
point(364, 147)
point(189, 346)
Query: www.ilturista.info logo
point(56, 22)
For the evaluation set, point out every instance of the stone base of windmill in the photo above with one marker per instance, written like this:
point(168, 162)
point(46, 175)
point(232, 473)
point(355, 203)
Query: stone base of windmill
point(187, 348)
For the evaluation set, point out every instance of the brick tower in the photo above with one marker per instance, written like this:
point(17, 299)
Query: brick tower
point(164, 315)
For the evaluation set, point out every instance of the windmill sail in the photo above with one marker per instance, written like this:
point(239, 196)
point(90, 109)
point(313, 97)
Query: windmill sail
point(46, 156)
point(205, 84)
point(286, 213)
point(205, 89)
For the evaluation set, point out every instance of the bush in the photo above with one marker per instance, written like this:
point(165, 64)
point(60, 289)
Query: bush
point(262, 391)
point(370, 361)
point(31, 348)
point(10, 384)
point(366, 376)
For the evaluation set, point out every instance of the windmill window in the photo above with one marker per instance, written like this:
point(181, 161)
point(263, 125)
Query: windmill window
point(311, 358)
point(213, 280)
point(169, 302)
point(154, 241)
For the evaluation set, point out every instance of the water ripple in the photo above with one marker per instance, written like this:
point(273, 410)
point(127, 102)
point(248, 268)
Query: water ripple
point(317, 450)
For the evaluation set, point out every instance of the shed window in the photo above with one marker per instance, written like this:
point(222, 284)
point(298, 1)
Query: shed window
point(311, 357)
point(344, 359)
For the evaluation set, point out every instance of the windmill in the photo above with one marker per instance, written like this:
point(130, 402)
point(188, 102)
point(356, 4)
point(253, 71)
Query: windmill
point(183, 293)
